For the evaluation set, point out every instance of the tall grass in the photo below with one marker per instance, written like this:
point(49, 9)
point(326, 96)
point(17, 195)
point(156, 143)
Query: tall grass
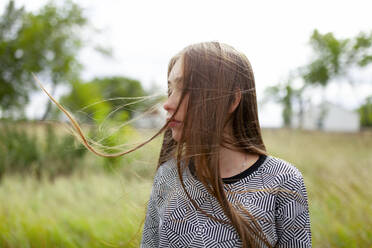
point(337, 169)
point(97, 209)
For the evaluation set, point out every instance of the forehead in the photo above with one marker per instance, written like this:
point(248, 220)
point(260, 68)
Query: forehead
point(175, 75)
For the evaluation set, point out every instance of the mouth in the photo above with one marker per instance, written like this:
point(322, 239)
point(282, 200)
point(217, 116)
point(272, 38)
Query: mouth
point(173, 122)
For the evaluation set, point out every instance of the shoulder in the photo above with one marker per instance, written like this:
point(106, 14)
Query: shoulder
point(167, 167)
point(278, 171)
point(280, 167)
point(288, 181)
point(292, 218)
point(167, 173)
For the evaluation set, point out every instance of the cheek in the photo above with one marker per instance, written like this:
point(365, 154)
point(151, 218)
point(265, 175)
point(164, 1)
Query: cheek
point(176, 133)
point(183, 110)
point(183, 107)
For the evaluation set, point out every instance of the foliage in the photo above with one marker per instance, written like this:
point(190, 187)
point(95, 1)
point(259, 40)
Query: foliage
point(335, 58)
point(25, 153)
point(332, 58)
point(85, 94)
point(103, 96)
point(109, 103)
point(328, 53)
point(111, 144)
point(362, 49)
point(286, 95)
point(45, 43)
point(365, 112)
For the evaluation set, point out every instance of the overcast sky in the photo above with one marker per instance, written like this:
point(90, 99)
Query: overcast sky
point(273, 34)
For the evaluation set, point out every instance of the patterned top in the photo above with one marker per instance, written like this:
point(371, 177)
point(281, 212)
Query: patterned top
point(274, 194)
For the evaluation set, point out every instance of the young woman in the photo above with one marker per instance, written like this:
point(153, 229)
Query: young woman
point(215, 184)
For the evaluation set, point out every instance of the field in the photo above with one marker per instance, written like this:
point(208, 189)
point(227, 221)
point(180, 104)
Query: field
point(93, 208)
point(337, 169)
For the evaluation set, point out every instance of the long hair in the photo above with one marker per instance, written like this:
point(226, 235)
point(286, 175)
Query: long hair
point(213, 73)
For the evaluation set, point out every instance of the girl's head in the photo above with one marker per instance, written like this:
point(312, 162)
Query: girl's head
point(212, 100)
point(212, 104)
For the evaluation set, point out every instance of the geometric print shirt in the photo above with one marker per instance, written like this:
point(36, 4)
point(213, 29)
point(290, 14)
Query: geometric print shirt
point(273, 192)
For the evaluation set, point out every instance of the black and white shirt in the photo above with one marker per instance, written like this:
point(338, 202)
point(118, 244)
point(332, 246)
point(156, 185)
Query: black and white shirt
point(272, 190)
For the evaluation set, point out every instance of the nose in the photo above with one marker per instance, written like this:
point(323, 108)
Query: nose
point(170, 104)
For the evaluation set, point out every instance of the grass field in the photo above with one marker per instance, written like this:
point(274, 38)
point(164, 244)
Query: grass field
point(96, 209)
point(337, 169)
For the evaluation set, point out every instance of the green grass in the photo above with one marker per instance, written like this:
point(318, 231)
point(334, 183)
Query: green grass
point(337, 170)
point(97, 209)
point(94, 211)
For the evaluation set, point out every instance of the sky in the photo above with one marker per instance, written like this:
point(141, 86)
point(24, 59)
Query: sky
point(273, 34)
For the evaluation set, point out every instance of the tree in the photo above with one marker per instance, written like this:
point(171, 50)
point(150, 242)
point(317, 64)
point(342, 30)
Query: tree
point(365, 112)
point(287, 96)
point(102, 96)
point(332, 59)
point(335, 58)
point(328, 61)
point(45, 43)
point(108, 102)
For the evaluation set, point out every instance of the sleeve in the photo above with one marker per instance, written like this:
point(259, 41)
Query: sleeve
point(292, 213)
point(150, 233)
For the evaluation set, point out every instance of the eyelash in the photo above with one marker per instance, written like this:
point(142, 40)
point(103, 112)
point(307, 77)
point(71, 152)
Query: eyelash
point(169, 92)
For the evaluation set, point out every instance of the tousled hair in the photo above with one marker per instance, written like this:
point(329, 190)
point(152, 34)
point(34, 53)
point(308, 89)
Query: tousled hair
point(213, 73)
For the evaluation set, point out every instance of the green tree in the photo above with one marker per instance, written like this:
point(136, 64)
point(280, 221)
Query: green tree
point(365, 113)
point(45, 43)
point(328, 59)
point(287, 96)
point(102, 96)
point(335, 58)
point(108, 102)
point(332, 59)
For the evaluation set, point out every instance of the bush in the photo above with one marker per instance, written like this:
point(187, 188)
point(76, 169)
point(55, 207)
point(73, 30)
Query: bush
point(25, 152)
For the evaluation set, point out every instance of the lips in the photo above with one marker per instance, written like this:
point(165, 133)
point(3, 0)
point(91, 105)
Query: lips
point(173, 122)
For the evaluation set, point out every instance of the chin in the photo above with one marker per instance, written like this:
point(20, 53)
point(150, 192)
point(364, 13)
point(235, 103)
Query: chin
point(176, 138)
point(176, 135)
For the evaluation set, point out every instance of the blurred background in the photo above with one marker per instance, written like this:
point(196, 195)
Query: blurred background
point(106, 63)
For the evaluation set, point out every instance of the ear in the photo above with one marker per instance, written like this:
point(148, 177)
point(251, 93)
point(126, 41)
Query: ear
point(234, 105)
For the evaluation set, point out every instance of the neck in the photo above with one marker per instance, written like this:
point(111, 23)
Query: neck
point(233, 162)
